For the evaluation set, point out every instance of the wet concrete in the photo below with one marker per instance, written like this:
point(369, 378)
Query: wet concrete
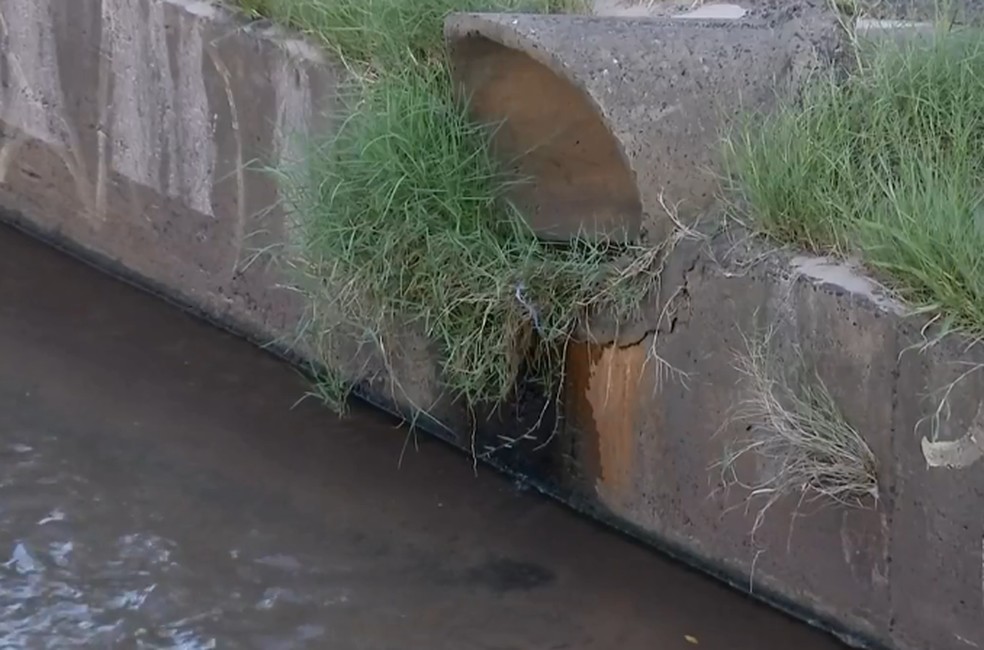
point(158, 490)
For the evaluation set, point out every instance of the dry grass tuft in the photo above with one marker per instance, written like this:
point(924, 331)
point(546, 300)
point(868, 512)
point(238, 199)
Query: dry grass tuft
point(798, 436)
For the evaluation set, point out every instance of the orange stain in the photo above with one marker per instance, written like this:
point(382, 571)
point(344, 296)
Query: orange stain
point(603, 391)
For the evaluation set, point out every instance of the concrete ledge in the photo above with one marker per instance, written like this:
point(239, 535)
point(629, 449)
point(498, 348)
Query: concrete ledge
point(126, 132)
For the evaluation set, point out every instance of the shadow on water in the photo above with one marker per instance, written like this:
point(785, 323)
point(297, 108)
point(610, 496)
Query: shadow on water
point(157, 490)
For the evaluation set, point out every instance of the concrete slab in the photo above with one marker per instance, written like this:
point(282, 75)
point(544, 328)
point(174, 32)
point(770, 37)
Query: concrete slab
point(667, 482)
point(619, 119)
point(903, 571)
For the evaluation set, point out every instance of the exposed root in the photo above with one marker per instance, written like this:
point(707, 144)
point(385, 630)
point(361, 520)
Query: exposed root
point(664, 370)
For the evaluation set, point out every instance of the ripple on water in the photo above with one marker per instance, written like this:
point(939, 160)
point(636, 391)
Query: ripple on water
point(82, 566)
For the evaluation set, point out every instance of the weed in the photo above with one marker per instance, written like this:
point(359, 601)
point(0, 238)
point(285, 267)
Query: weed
point(404, 221)
point(801, 442)
point(256, 8)
point(435, 244)
point(887, 165)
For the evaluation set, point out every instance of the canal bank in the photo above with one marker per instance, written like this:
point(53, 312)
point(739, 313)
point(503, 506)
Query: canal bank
point(132, 135)
point(162, 487)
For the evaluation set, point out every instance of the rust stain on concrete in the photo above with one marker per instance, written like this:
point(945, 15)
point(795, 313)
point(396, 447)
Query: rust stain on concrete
point(603, 390)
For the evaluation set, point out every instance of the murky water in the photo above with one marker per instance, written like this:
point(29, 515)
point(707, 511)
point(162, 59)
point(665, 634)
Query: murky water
point(157, 490)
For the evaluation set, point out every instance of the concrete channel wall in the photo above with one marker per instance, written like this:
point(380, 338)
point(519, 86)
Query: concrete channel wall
point(134, 130)
point(131, 130)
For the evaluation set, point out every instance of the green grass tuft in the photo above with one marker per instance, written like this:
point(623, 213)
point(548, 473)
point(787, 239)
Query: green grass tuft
point(403, 218)
point(405, 210)
point(887, 165)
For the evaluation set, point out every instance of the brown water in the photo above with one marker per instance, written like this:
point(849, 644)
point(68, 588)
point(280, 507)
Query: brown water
point(157, 490)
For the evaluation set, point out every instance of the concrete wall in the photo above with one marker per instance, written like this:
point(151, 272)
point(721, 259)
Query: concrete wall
point(138, 134)
point(904, 571)
point(129, 128)
point(126, 127)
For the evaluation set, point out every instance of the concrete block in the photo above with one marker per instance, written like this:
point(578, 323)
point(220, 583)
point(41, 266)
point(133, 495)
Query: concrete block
point(618, 120)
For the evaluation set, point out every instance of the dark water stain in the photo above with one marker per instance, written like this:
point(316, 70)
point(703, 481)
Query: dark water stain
point(159, 489)
point(503, 575)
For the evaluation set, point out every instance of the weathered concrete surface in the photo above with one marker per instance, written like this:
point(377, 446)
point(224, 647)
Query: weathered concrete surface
point(128, 128)
point(124, 129)
point(921, 10)
point(905, 571)
point(139, 132)
point(619, 120)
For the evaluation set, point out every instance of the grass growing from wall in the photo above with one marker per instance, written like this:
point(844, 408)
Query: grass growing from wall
point(803, 446)
point(888, 166)
point(403, 218)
